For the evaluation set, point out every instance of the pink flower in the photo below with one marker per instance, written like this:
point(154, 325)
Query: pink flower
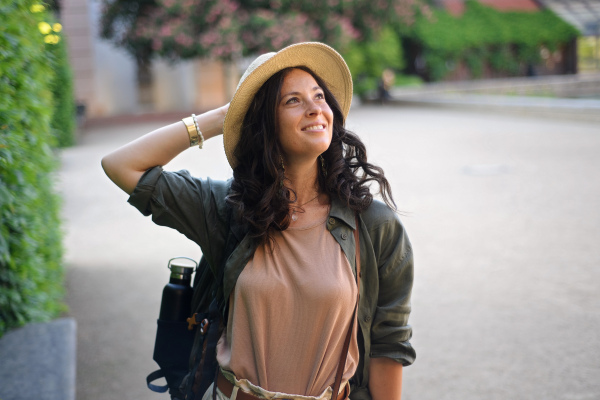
point(157, 44)
point(165, 30)
point(225, 22)
point(183, 40)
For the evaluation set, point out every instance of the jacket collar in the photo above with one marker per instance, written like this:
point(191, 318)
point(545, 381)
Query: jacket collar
point(340, 211)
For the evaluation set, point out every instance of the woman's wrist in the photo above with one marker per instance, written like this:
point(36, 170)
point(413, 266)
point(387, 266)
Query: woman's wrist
point(210, 123)
point(193, 130)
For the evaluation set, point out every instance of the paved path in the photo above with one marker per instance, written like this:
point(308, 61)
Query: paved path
point(503, 215)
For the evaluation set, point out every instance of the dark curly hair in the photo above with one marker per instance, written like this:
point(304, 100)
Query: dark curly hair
point(257, 193)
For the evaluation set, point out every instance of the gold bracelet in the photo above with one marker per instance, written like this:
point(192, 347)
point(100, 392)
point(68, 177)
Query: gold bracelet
point(200, 136)
point(190, 125)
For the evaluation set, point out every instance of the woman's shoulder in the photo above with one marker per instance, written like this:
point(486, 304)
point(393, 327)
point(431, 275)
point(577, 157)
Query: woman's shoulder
point(180, 190)
point(183, 178)
point(386, 230)
point(220, 186)
point(380, 214)
point(187, 175)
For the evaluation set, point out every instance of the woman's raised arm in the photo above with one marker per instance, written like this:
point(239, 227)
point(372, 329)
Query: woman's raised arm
point(126, 165)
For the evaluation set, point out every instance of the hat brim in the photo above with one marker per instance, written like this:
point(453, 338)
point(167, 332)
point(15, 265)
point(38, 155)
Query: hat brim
point(323, 60)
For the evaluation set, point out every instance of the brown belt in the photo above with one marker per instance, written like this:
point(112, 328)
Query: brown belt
point(227, 388)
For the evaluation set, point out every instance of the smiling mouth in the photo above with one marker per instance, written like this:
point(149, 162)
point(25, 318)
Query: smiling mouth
point(317, 127)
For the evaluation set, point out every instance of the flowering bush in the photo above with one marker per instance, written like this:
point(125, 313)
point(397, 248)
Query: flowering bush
point(229, 29)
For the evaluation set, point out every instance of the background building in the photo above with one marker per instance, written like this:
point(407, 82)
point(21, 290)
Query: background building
point(106, 80)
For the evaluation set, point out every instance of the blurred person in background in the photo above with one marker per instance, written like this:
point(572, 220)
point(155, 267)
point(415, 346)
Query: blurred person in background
point(385, 84)
point(296, 327)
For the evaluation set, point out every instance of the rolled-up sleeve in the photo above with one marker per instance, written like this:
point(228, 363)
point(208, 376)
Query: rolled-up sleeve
point(390, 332)
point(194, 207)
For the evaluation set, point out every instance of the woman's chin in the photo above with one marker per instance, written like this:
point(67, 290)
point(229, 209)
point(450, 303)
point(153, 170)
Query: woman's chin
point(322, 143)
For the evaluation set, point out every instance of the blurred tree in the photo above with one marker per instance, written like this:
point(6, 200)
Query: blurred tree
point(368, 59)
point(121, 22)
point(372, 57)
point(229, 29)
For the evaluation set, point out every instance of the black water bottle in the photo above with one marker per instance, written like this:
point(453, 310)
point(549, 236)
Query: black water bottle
point(177, 295)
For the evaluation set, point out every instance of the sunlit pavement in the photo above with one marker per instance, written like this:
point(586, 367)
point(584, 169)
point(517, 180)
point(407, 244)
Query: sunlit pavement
point(503, 215)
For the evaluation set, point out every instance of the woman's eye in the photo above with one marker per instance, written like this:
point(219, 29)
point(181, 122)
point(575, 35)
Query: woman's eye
point(292, 100)
point(320, 96)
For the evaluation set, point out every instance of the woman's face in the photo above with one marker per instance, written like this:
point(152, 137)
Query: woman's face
point(304, 120)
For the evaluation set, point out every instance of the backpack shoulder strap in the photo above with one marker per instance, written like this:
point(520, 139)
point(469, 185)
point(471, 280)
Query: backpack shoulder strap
point(342, 363)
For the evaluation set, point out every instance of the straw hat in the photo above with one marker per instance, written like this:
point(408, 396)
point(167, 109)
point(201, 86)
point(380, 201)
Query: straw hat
point(324, 61)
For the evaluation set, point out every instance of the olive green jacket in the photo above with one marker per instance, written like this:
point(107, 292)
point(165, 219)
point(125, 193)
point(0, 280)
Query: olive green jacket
point(197, 208)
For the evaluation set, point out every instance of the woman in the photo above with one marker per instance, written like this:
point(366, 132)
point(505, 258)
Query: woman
point(299, 189)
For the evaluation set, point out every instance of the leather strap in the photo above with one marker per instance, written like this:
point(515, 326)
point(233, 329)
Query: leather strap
point(357, 242)
point(340, 370)
point(227, 388)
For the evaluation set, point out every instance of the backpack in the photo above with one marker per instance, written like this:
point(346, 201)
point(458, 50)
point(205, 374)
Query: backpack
point(186, 351)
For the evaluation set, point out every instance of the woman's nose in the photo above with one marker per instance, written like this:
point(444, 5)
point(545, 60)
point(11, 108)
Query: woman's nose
point(313, 108)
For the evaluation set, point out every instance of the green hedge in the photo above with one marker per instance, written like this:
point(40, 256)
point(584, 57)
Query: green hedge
point(31, 271)
point(483, 35)
point(64, 117)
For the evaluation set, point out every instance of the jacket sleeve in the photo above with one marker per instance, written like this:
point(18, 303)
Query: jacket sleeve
point(390, 332)
point(193, 206)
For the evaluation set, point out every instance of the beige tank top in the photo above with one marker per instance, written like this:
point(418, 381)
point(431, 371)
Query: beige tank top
point(289, 314)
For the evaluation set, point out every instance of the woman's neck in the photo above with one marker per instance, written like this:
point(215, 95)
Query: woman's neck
point(303, 181)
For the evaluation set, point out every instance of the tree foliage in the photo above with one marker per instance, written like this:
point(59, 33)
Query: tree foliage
point(229, 29)
point(367, 60)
